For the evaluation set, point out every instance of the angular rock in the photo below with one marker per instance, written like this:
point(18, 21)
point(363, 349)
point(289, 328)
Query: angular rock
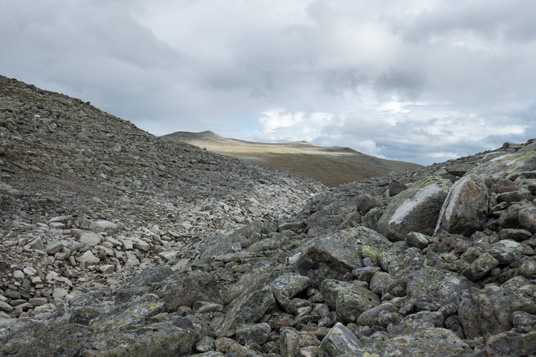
point(415, 209)
point(349, 300)
point(436, 285)
point(103, 225)
point(334, 255)
point(248, 309)
point(507, 251)
point(183, 289)
point(54, 247)
point(338, 341)
point(286, 287)
point(480, 267)
point(253, 333)
point(88, 258)
point(514, 234)
point(417, 240)
point(86, 237)
point(429, 342)
point(485, 312)
point(527, 218)
point(511, 343)
point(465, 208)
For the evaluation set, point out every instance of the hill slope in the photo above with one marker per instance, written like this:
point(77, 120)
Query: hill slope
point(329, 165)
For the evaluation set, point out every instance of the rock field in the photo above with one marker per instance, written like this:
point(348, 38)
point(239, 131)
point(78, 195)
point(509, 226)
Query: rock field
point(116, 243)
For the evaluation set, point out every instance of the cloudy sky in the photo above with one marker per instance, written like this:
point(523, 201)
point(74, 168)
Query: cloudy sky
point(422, 81)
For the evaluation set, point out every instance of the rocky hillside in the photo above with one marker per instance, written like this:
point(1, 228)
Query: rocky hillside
point(439, 262)
point(330, 165)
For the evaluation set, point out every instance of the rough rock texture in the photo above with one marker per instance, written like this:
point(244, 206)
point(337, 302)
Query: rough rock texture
point(414, 210)
point(115, 243)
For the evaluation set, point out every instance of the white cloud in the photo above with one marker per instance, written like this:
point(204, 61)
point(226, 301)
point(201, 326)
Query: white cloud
point(413, 80)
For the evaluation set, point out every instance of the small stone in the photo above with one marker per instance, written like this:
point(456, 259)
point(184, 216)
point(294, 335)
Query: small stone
point(104, 226)
point(17, 274)
point(206, 344)
point(128, 244)
point(30, 271)
point(88, 258)
point(107, 269)
point(54, 247)
point(44, 308)
point(417, 240)
point(514, 234)
point(59, 293)
point(86, 237)
point(132, 260)
point(5, 307)
point(38, 301)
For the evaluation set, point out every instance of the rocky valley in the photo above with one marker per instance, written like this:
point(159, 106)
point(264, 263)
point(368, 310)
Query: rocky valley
point(114, 242)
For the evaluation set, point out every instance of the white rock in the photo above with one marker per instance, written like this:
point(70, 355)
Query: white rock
point(18, 274)
point(103, 226)
point(30, 271)
point(59, 293)
point(88, 258)
point(107, 269)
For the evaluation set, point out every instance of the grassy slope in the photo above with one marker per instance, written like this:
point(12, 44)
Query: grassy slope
point(331, 166)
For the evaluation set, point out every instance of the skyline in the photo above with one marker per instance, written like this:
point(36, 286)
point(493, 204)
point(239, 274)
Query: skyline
point(419, 81)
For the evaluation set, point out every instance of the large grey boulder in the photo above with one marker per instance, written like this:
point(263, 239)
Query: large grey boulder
point(486, 312)
point(334, 255)
point(338, 341)
point(465, 208)
point(217, 245)
point(415, 209)
point(429, 342)
point(247, 309)
point(436, 285)
point(183, 289)
point(286, 287)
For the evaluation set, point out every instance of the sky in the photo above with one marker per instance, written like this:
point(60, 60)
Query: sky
point(420, 81)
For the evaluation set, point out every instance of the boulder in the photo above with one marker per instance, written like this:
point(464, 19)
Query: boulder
point(334, 255)
point(436, 285)
point(465, 208)
point(429, 342)
point(485, 312)
point(247, 309)
point(415, 209)
point(349, 300)
point(338, 341)
point(183, 289)
point(286, 287)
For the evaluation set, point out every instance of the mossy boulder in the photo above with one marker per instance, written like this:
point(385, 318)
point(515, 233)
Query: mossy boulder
point(436, 286)
point(415, 209)
point(247, 309)
point(349, 300)
point(338, 341)
point(465, 208)
point(332, 256)
point(481, 266)
point(185, 288)
point(429, 342)
point(286, 287)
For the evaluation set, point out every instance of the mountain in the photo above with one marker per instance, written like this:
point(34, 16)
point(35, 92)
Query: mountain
point(330, 165)
point(114, 242)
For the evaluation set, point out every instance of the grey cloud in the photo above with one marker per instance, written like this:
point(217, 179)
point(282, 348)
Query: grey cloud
point(205, 66)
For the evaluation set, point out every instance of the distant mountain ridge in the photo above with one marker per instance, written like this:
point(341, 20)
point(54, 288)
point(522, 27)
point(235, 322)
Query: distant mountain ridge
point(330, 165)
